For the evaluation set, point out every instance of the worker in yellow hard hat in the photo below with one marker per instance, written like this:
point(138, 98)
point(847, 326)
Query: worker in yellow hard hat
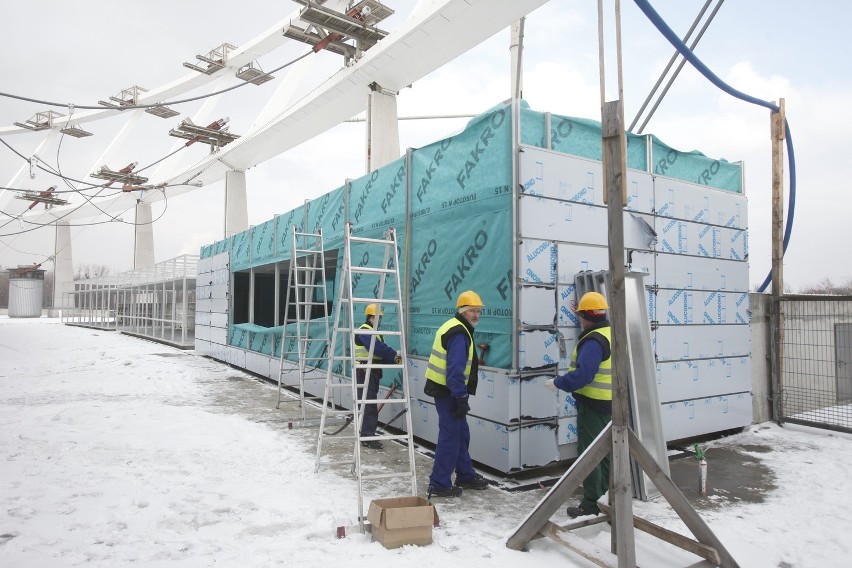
point(589, 380)
point(451, 376)
point(382, 353)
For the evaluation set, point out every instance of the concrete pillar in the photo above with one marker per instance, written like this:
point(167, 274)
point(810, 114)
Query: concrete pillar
point(382, 128)
point(236, 205)
point(63, 265)
point(143, 249)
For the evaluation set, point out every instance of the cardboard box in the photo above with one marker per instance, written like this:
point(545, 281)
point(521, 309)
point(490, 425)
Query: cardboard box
point(401, 520)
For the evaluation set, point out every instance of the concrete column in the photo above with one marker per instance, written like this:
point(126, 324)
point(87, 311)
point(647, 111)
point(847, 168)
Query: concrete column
point(236, 205)
point(382, 128)
point(63, 265)
point(143, 250)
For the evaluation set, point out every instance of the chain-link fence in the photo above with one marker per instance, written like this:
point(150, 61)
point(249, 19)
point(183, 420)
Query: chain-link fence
point(814, 385)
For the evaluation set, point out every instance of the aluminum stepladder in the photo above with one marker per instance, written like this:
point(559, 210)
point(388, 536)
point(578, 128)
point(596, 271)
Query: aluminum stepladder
point(341, 356)
point(307, 340)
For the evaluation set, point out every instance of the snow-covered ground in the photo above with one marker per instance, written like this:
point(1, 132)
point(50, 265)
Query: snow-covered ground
point(118, 451)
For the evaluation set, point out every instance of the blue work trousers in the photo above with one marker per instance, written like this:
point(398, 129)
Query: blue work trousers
point(451, 451)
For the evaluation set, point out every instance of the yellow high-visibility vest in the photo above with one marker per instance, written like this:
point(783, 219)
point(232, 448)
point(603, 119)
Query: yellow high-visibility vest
point(362, 352)
point(436, 371)
point(601, 386)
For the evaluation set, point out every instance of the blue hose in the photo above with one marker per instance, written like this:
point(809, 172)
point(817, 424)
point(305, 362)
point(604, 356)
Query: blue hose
point(667, 32)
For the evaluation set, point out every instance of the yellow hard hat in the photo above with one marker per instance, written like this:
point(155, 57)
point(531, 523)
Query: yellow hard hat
point(592, 301)
point(469, 298)
point(370, 310)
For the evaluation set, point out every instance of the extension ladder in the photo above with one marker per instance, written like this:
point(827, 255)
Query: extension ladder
point(307, 340)
point(343, 363)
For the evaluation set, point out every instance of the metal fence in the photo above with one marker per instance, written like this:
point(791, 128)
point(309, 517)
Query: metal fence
point(814, 357)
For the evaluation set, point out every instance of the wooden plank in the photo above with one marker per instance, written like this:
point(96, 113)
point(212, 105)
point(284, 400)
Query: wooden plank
point(677, 539)
point(678, 502)
point(561, 490)
point(588, 550)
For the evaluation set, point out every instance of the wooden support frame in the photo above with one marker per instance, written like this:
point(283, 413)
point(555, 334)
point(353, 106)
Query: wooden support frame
point(707, 546)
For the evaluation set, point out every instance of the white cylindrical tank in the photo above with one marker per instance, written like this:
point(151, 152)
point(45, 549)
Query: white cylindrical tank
point(26, 285)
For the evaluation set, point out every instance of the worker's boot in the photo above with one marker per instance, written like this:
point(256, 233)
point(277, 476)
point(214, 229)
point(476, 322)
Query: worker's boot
point(575, 512)
point(451, 492)
point(477, 482)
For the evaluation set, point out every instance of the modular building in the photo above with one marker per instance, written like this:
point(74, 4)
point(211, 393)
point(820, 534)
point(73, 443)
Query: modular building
point(512, 207)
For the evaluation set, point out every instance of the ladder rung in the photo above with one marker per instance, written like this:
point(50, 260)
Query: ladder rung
point(349, 463)
point(381, 400)
point(386, 242)
point(340, 437)
point(386, 475)
point(370, 270)
point(390, 437)
point(374, 332)
point(375, 301)
point(335, 412)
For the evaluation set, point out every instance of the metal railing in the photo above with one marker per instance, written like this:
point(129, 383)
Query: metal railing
point(157, 302)
point(813, 385)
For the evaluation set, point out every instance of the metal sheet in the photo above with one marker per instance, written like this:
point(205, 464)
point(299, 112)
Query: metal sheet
point(539, 402)
point(673, 342)
point(697, 239)
point(700, 378)
point(692, 202)
point(538, 261)
point(538, 306)
point(569, 178)
point(689, 306)
point(642, 387)
point(679, 271)
point(543, 218)
point(690, 418)
point(538, 349)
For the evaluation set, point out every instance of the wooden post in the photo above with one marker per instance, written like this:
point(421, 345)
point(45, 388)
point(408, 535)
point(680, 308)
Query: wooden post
point(777, 126)
point(615, 182)
point(778, 133)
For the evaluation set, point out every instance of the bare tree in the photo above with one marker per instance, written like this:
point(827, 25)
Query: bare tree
point(827, 287)
point(86, 271)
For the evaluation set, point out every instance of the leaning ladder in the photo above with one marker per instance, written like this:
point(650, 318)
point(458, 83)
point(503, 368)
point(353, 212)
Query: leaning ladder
point(307, 340)
point(341, 357)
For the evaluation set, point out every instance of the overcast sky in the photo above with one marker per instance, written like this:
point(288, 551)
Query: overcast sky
point(82, 52)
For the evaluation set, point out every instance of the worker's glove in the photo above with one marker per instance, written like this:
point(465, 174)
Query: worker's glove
point(551, 384)
point(397, 359)
point(462, 407)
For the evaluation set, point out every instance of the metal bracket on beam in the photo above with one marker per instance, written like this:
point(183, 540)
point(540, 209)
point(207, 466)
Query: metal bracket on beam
point(40, 120)
point(215, 59)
